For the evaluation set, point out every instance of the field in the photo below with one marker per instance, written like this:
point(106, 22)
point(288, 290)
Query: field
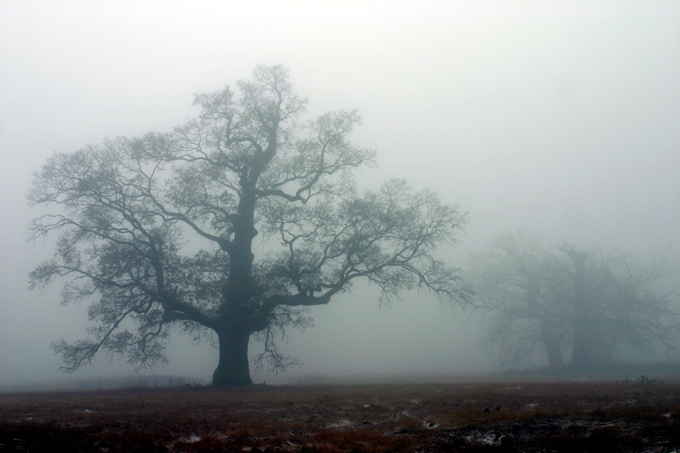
point(461, 417)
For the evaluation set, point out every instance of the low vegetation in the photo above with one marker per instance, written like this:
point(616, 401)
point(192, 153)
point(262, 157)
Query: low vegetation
point(462, 417)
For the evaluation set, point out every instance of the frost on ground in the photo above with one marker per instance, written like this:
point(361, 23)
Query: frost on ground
point(527, 417)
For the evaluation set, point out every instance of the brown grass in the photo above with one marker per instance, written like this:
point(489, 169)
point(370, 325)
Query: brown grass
point(527, 417)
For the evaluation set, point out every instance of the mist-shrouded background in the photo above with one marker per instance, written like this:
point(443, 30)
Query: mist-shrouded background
point(561, 118)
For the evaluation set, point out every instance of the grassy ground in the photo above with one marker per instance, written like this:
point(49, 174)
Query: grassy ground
point(462, 417)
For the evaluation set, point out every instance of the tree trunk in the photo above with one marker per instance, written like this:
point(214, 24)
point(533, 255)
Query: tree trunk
point(552, 346)
point(589, 335)
point(233, 368)
point(584, 350)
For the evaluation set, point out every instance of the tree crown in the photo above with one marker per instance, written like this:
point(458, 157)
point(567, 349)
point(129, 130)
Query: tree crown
point(246, 165)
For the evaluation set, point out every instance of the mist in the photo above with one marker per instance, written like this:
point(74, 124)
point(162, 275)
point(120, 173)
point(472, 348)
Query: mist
point(563, 119)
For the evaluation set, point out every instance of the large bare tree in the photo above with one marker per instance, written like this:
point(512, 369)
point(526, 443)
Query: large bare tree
point(129, 210)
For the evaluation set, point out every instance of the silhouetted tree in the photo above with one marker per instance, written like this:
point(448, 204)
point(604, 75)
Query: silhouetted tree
point(247, 165)
point(573, 299)
point(515, 281)
point(631, 310)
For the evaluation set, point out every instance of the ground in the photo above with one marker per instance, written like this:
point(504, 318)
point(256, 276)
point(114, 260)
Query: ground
point(462, 417)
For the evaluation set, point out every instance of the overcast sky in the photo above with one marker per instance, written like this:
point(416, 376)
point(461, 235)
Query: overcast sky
point(558, 117)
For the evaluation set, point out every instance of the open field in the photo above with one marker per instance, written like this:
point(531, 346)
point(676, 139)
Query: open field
point(462, 417)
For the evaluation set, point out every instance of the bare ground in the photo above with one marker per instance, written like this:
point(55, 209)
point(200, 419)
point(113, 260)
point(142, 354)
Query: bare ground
point(462, 417)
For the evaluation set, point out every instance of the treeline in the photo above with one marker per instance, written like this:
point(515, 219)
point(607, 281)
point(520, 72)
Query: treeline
point(578, 306)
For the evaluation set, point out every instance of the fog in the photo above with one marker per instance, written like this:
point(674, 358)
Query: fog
point(562, 119)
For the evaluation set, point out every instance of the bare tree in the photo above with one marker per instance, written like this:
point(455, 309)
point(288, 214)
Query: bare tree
point(636, 313)
point(247, 165)
point(514, 281)
point(571, 299)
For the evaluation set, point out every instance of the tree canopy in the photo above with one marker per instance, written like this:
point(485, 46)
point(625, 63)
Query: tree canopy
point(129, 211)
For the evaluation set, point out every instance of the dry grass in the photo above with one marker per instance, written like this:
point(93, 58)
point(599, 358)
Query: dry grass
point(531, 417)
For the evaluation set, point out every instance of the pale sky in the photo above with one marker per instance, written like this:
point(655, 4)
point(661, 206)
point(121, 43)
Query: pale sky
point(557, 117)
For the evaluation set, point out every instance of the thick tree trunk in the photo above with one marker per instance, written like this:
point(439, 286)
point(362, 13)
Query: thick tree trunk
point(589, 336)
point(589, 350)
point(582, 354)
point(233, 369)
point(584, 350)
point(552, 346)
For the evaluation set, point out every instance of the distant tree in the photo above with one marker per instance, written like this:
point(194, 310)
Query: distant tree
point(131, 209)
point(570, 299)
point(514, 280)
point(628, 309)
